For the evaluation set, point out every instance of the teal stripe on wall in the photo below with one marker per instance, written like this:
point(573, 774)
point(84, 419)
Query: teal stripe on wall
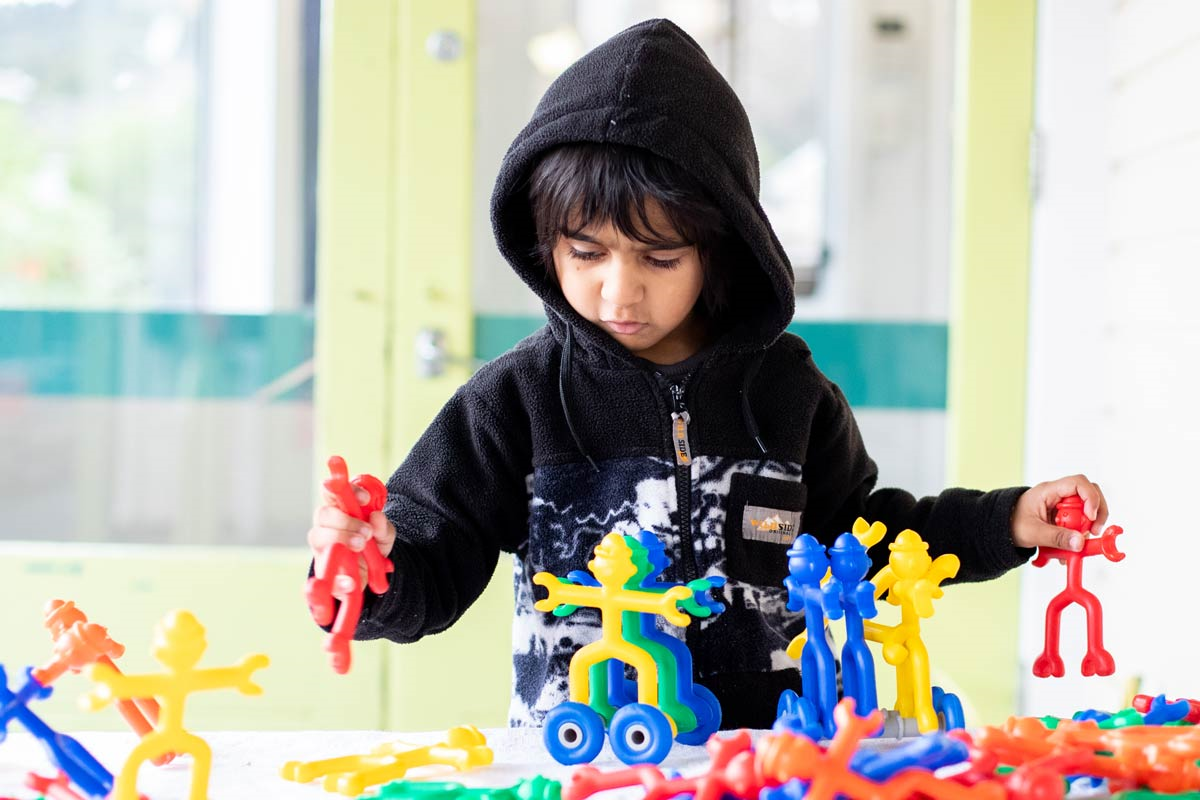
point(898, 365)
point(151, 354)
point(178, 354)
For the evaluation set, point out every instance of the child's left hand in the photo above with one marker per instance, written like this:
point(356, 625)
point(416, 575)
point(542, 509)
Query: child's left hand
point(1033, 515)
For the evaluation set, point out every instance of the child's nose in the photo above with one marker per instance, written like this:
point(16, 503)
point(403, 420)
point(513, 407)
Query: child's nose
point(622, 282)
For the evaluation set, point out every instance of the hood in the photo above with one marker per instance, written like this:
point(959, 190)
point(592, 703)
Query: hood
point(651, 86)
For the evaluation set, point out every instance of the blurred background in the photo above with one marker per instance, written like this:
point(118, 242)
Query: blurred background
point(236, 238)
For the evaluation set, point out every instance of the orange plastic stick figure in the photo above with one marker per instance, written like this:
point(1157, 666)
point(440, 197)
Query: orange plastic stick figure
point(782, 757)
point(336, 571)
point(612, 567)
point(78, 644)
point(912, 581)
point(178, 645)
point(1097, 660)
point(1160, 757)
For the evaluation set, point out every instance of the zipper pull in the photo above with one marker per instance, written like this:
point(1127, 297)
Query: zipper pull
point(679, 426)
point(679, 423)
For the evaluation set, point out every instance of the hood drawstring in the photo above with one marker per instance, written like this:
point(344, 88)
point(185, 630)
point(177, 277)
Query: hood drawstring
point(747, 412)
point(564, 375)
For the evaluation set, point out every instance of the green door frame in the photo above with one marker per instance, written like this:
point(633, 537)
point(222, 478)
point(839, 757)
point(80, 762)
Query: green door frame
point(394, 259)
point(988, 328)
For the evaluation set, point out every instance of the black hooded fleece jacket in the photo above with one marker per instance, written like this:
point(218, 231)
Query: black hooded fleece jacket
point(507, 465)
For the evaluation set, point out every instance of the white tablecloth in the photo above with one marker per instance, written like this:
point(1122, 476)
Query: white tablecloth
point(246, 764)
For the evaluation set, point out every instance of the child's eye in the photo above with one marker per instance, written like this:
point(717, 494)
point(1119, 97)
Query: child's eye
point(664, 263)
point(585, 255)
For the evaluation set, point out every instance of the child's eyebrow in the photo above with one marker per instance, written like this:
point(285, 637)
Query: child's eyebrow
point(643, 246)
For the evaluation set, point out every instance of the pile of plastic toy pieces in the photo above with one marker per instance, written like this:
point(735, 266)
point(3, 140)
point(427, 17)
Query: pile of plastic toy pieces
point(84, 647)
point(1137, 753)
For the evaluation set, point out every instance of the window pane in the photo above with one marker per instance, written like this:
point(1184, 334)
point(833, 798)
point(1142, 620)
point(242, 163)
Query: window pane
point(157, 162)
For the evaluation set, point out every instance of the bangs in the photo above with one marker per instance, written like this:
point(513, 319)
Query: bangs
point(579, 186)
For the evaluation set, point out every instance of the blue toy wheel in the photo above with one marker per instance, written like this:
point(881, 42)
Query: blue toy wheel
point(640, 734)
point(708, 717)
point(949, 708)
point(573, 733)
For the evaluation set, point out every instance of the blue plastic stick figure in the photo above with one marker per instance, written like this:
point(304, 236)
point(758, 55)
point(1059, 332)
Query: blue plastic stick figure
point(67, 754)
point(849, 562)
point(807, 564)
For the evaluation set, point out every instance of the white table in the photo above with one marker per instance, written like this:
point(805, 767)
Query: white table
point(246, 764)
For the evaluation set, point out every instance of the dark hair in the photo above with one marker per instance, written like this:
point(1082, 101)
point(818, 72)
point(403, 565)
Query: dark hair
point(581, 184)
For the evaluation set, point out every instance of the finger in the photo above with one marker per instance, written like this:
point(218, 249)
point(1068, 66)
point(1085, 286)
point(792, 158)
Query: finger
point(330, 499)
point(338, 520)
point(1090, 495)
point(379, 526)
point(343, 585)
point(1101, 509)
point(1065, 487)
point(320, 537)
point(1062, 538)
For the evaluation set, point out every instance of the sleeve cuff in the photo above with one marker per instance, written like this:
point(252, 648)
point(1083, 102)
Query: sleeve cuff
point(997, 553)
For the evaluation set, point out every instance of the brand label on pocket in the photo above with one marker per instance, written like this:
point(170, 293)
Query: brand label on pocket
point(770, 524)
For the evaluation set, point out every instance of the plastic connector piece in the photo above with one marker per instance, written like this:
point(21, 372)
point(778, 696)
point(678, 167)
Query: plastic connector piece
point(1182, 710)
point(931, 751)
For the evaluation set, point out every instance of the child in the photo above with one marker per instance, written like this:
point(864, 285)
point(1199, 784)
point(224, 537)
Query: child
point(663, 394)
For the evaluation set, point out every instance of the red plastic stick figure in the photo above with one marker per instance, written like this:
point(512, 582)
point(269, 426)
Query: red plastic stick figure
point(1097, 661)
point(56, 788)
point(732, 772)
point(338, 565)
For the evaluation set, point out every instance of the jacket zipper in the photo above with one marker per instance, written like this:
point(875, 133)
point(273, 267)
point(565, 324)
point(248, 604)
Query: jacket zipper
point(683, 479)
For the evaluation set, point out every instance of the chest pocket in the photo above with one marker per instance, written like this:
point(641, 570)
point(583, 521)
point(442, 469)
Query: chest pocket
point(763, 517)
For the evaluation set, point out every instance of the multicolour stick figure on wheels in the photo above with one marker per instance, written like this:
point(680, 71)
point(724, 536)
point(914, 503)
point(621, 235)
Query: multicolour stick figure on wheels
point(621, 585)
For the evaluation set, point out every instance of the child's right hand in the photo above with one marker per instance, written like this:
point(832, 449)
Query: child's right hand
point(330, 524)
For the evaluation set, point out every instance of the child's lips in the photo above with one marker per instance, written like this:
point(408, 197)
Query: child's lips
point(624, 328)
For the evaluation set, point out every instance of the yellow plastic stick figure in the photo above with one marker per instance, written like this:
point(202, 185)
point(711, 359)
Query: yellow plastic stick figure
point(178, 645)
point(465, 748)
point(612, 567)
point(912, 581)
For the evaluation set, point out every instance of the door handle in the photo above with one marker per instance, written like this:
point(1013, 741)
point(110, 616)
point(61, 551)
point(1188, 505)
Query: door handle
point(432, 356)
